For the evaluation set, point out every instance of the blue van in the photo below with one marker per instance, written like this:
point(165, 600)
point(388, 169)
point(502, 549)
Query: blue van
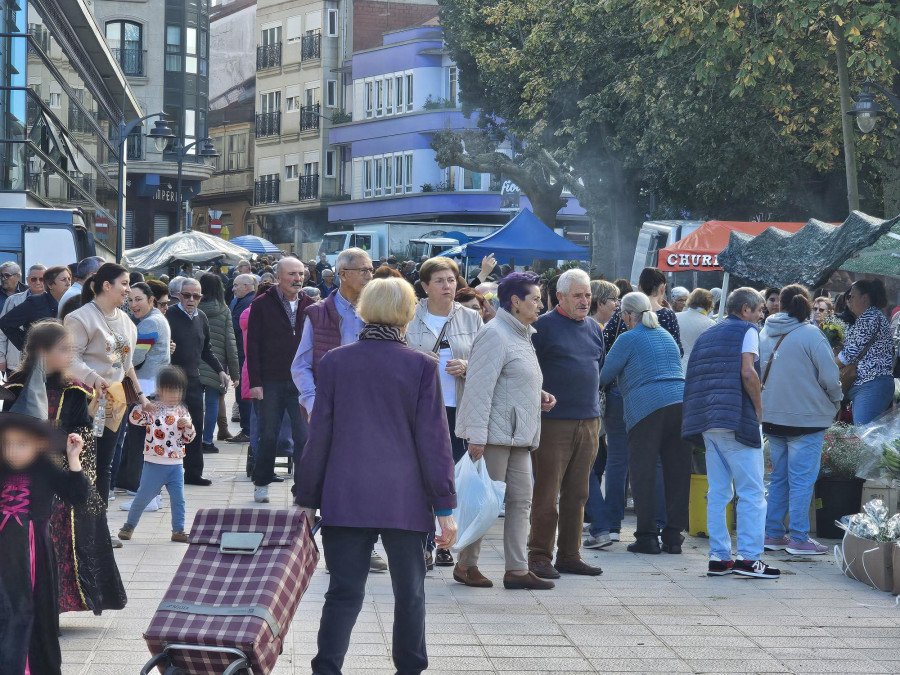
point(33, 235)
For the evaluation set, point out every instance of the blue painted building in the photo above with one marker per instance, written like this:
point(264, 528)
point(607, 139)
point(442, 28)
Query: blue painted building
point(400, 94)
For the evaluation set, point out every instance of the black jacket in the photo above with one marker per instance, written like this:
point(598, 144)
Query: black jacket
point(17, 322)
point(191, 338)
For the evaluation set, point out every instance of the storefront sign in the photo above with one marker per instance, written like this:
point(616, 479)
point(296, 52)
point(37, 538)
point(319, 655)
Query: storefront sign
point(162, 195)
point(693, 261)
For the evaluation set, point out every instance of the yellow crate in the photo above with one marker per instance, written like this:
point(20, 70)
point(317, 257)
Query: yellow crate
point(697, 514)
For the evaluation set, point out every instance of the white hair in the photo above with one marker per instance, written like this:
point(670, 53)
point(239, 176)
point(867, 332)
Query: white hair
point(247, 279)
point(570, 277)
point(10, 265)
point(37, 266)
point(176, 284)
point(285, 259)
point(680, 292)
point(348, 257)
point(638, 305)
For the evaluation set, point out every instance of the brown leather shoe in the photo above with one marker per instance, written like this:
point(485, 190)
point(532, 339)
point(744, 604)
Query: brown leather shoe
point(579, 567)
point(526, 581)
point(471, 577)
point(543, 569)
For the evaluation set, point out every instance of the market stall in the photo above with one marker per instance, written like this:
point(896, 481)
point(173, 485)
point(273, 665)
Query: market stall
point(191, 246)
point(257, 245)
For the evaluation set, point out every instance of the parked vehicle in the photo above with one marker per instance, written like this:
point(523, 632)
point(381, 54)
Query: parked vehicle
point(654, 236)
point(408, 240)
point(32, 235)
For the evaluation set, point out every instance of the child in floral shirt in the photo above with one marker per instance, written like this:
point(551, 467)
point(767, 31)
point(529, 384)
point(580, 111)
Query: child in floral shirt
point(169, 429)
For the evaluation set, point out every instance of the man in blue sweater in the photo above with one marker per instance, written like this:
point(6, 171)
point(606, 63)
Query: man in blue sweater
point(570, 350)
point(723, 410)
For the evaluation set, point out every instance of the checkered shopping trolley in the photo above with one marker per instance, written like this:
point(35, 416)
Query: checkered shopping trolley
point(233, 597)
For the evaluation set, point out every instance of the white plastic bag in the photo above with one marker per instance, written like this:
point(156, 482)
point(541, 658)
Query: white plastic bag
point(478, 500)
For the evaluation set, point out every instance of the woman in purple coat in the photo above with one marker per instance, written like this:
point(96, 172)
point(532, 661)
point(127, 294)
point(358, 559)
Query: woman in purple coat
point(377, 465)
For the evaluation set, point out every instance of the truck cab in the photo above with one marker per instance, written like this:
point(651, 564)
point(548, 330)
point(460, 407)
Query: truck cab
point(31, 235)
point(429, 247)
point(654, 236)
point(335, 242)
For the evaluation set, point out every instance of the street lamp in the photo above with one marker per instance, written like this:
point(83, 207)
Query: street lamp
point(207, 149)
point(161, 134)
point(866, 109)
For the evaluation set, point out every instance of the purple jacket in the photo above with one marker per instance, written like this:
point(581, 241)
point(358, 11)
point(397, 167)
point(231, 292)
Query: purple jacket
point(377, 457)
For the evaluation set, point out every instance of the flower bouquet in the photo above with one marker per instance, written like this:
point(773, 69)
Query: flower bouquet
point(835, 330)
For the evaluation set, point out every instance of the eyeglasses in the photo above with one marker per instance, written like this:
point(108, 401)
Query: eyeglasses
point(34, 280)
point(191, 296)
point(162, 303)
point(361, 270)
point(7, 275)
point(819, 309)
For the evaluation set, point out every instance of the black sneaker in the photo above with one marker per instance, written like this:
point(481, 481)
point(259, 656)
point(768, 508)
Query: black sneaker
point(755, 568)
point(719, 568)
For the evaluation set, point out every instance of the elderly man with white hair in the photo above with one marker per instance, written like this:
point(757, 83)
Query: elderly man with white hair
point(679, 298)
point(570, 350)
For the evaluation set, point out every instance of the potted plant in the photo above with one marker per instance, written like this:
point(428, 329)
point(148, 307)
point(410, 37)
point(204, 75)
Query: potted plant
point(838, 490)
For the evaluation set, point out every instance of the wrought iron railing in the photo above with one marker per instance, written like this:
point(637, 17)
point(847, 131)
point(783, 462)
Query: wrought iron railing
point(309, 187)
point(131, 60)
point(268, 56)
point(267, 190)
point(309, 117)
point(268, 124)
point(311, 46)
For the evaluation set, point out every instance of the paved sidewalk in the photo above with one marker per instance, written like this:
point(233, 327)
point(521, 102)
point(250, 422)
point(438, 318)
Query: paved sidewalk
point(645, 614)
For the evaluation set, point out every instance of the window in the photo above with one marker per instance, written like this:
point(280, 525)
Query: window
point(173, 48)
point(292, 104)
point(472, 180)
point(409, 173)
point(126, 43)
point(270, 102)
point(331, 93)
point(311, 168)
point(398, 87)
point(270, 35)
point(331, 25)
point(379, 90)
point(409, 92)
point(379, 176)
point(389, 96)
point(368, 167)
point(293, 31)
point(203, 50)
point(398, 173)
point(388, 181)
point(291, 172)
point(190, 49)
point(55, 100)
point(237, 151)
point(311, 94)
point(452, 85)
point(369, 97)
point(190, 129)
point(329, 163)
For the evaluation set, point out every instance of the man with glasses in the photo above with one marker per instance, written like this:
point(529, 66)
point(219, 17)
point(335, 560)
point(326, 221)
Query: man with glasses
point(10, 275)
point(331, 323)
point(10, 356)
point(16, 322)
point(274, 328)
point(190, 333)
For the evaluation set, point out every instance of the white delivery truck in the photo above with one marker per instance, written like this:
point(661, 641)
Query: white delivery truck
point(407, 240)
point(654, 236)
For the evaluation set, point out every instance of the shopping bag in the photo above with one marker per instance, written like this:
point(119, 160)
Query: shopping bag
point(478, 500)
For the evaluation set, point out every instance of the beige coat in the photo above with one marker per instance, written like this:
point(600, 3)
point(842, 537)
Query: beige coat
point(464, 325)
point(502, 401)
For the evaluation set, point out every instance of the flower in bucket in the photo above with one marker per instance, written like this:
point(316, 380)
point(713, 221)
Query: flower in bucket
point(841, 452)
point(834, 330)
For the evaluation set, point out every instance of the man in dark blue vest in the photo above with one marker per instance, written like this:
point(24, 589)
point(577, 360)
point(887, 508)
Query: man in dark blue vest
point(723, 410)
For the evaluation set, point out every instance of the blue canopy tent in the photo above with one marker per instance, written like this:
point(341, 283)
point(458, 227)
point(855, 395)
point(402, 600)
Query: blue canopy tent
point(256, 245)
point(524, 237)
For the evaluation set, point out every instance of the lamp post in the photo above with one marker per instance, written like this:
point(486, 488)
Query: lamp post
point(161, 134)
point(207, 149)
point(866, 109)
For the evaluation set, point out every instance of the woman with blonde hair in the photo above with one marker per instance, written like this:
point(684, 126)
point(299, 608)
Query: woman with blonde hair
point(647, 362)
point(359, 443)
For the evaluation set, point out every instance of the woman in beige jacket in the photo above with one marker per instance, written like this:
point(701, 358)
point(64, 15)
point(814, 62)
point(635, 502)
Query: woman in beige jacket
point(500, 416)
point(445, 330)
point(104, 338)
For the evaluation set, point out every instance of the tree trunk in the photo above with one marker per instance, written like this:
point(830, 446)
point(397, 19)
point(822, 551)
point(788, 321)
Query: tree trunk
point(846, 120)
point(890, 168)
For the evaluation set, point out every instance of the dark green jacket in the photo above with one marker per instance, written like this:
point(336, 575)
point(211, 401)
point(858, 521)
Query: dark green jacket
point(222, 342)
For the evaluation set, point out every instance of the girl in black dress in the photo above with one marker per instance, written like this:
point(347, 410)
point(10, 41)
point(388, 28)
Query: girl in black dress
point(31, 478)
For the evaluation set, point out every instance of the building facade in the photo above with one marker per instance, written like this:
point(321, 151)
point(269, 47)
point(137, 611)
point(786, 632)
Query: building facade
point(162, 46)
point(62, 97)
point(401, 93)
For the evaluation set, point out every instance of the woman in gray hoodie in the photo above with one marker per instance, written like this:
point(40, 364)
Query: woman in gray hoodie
point(801, 395)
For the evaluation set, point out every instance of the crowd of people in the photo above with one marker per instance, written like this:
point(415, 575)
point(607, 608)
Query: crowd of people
point(389, 373)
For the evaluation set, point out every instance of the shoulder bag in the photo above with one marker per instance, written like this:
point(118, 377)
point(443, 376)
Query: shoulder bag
point(848, 372)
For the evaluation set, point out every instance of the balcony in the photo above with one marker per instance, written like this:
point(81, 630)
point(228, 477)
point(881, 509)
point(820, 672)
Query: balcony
point(78, 121)
point(311, 46)
point(309, 187)
point(309, 117)
point(266, 190)
point(134, 146)
point(86, 183)
point(131, 61)
point(268, 56)
point(268, 124)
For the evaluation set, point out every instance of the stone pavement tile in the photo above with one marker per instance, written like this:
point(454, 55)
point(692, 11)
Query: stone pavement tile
point(452, 636)
point(711, 653)
point(636, 665)
point(802, 667)
point(514, 629)
point(635, 651)
point(694, 641)
point(892, 630)
point(455, 650)
point(524, 640)
point(513, 651)
point(720, 665)
point(722, 629)
point(527, 664)
point(458, 663)
point(813, 642)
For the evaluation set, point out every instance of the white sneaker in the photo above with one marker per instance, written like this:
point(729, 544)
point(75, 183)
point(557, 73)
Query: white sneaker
point(614, 536)
point(261, 494)
point(154, 504)
point(112, 496)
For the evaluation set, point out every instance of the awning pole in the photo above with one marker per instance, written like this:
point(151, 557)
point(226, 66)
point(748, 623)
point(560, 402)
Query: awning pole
point(725, 279)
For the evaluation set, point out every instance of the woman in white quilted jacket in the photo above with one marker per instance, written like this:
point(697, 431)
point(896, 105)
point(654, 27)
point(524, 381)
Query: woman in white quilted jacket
point(500, 417)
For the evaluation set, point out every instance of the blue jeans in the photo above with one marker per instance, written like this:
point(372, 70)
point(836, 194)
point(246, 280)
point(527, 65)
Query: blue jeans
point(608, 510)
point(210, 414)
point(795, 467)
point(153, 478)
point(727, 460)
point(871, 398)
point(348, 553)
